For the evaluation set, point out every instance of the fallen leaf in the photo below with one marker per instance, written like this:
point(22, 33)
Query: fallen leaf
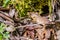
point(11, 13)
point(1, 19)
point(8, 23)
point(10, 28)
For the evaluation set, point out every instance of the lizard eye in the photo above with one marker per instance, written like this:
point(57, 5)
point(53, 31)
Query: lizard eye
point(34, 17)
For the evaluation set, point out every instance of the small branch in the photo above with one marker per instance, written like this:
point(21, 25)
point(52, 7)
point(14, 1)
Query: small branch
point(5, 17)
point(4, 9)
point(4, 13)
point(35, 26)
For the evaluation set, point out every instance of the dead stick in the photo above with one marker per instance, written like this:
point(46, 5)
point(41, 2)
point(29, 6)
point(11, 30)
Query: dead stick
point(4, 13)
point(4, 9)
point(5, 17)
point(33, 25)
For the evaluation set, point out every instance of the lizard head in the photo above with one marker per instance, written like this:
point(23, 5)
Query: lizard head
point(33, 15)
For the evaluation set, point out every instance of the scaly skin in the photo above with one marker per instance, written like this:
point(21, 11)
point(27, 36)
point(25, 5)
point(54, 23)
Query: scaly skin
point(39, 19)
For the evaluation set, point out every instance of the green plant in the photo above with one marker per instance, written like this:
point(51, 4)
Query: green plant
point(23, 6)
point(3, 35)
point(5, 3)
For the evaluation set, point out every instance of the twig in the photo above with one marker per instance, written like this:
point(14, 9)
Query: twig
point(4, 13)
point(3, 9)
point(33, 25)
point(5, 17)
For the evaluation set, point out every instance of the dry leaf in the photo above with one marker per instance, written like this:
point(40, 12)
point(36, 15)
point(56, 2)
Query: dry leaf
point(11, 13)
point(10, 28)
point(1, 19)
point(58, 32)
point(8, 23)
point(47, 34)
point(39, 32)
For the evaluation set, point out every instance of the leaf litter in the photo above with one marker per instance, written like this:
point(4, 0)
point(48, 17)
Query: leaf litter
point(33, 27)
